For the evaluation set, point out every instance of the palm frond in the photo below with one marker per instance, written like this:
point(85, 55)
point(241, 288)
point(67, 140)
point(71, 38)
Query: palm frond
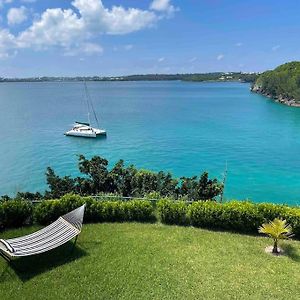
point(276, 229)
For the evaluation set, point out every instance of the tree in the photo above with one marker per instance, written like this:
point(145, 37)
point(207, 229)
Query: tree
point(117, 177)
point(277, 230)
point(208, 188)
point(202, 189)
point(188, 187)
point(29, 196)
point(281, 82)
point(59, 186)
point(128, 181)
point(96, 169)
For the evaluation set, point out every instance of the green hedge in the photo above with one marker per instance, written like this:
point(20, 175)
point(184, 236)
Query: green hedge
point(96, 211)
point(239, 216)
point(173, 212)
point(15, 213)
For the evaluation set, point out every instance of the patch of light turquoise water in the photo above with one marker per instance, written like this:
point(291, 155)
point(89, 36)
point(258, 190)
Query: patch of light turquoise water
point(181, 127)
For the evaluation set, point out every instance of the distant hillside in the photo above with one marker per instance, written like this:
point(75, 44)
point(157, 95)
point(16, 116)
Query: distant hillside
point(282, 84)
point(216, 76)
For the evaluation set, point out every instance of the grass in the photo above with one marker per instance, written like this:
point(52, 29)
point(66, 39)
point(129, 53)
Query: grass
point(154, 261)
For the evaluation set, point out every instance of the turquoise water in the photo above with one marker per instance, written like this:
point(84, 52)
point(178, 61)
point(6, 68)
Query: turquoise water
point(181, 127)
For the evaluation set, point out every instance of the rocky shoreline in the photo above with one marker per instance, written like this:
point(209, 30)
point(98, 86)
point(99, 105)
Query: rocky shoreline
point(280, 99)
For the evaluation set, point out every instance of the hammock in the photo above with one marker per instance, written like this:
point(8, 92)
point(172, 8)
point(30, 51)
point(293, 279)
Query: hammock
point(56, 234)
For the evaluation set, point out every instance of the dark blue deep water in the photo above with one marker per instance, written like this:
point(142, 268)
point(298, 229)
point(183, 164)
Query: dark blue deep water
point(181, 127)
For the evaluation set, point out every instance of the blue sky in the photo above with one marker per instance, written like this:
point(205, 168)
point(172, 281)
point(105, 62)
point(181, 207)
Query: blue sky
point(114, 37)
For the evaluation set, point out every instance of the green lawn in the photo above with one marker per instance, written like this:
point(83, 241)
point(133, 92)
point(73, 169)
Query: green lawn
point(154, 261)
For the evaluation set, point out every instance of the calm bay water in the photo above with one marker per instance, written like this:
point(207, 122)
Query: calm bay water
point(181, 127)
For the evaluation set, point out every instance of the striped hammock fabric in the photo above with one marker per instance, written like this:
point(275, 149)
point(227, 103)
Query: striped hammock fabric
point(56, 234)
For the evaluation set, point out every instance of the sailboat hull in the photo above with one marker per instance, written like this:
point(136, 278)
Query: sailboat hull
point(85, 131)
point(100, 131)
point(79, 134)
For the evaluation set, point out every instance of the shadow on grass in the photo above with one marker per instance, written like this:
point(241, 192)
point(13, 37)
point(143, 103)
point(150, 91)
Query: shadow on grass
point(28, 267)
point(291, 252)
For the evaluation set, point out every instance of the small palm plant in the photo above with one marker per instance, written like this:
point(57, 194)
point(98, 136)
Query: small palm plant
point(277, 230)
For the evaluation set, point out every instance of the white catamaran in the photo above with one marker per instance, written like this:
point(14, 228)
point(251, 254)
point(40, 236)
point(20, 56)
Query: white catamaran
point(84, 129)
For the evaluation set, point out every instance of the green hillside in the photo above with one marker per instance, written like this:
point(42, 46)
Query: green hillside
point(282, 84)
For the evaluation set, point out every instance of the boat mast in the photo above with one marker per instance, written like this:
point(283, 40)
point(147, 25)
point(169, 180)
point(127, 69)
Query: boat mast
point(224, 181)
point(87, 102)
point(90, 104)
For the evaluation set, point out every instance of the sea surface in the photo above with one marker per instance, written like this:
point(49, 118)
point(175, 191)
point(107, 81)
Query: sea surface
point(181, 127)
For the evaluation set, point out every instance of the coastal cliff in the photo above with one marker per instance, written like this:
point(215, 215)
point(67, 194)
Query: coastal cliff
point(281, 85)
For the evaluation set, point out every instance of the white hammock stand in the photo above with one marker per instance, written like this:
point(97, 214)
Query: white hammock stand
point(56, 234)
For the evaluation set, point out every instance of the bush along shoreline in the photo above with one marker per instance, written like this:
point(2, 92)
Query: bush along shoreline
point(126, 181)
point(236, 216)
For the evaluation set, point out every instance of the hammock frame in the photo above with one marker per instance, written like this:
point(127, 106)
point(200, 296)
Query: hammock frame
point(64, 229)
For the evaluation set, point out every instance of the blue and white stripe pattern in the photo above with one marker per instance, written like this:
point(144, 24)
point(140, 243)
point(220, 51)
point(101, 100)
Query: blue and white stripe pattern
point(56, 234)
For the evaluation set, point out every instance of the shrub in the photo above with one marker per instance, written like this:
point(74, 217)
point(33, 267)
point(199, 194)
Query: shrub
point(15, 213)
point(118, 211)
point(277, 230)
point(205, 214)
point(271, 211)
point(239, 216)
point(48, 211)
point(96, 211)
point(173, 212)
point(141, 211)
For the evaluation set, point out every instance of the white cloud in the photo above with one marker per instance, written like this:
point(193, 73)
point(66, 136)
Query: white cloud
point(17, 15)
point(193, 59)
point(116, 20)
point(7, 41)
point(275, 48)
point(163, 6)
point(76, 27)
point(85, 48)
point(239, 44)
point(91, 48)
point(161, 59)
point(128, 47)
point(56, 27)
point(220, 56)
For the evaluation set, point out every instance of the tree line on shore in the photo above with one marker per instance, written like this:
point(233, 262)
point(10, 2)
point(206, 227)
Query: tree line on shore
point(126, 181)
point(213, 76)
point(282, 82)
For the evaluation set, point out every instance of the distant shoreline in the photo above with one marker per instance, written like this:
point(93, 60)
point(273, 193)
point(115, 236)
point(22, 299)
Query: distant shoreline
point(195, 77)
point(144, 80)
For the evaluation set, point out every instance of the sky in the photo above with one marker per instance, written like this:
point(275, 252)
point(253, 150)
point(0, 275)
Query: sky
point(122, 37)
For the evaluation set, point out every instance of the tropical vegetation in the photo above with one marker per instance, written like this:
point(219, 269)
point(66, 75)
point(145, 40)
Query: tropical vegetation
point(127, 181)
point(237, 216)
point(277, 230)
point(283, 82)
